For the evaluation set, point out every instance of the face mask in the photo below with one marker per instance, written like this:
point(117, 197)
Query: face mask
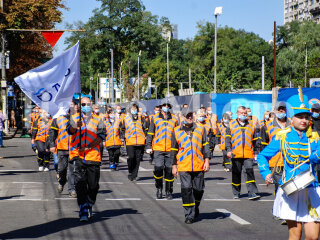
point(86, 109)
point(226, 121)
point(209, 112)
point(118, 110)
point(48, 115)
point(134, 112)
point(200, 119)
point(249, 114)
point(281, 115)
point(242, 117)
point(111, 116)
point(266, 117)
point(165, 109)
point(36, 111)
point(96, 110)
point(156, 112)
point(315, 115)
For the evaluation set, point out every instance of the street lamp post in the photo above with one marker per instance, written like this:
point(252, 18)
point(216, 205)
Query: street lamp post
point(91, 78)
point(120, 83)
point(217, 12)
point(111, 82)
point(168, 86)
point(139, 74)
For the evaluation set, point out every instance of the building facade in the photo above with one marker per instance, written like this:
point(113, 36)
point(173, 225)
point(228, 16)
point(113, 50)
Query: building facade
point(299, 10)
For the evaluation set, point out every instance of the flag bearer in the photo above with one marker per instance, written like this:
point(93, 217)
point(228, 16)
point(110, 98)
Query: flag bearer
point(159, 143)
point(86, 156)
point(40, 137)
point(190, 155)
point(241, 138)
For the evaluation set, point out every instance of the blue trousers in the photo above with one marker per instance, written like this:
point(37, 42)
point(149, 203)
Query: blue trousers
point(1, 138)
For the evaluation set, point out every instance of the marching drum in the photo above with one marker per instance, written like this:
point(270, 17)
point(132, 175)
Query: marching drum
point(298, 182)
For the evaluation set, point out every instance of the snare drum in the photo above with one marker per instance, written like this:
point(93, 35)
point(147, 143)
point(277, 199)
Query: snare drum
point(298, 182)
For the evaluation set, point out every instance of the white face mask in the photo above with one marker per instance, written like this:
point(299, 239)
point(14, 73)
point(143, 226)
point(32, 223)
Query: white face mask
point(209, 112)
point(266, 117)
point(96, 110)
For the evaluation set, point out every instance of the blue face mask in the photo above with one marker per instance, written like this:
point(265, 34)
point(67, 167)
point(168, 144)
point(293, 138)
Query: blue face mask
point(281, 115)
point(249, 114)
point(185, 122)
point(86, 109)
point(200, 119)
point(315, 115)
point(165, 109)
point(242, 117)
point(134, 112)
point(226, 121)
point(111, 116)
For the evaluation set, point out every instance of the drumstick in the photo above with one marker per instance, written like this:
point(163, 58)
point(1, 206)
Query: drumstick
point(300, 165)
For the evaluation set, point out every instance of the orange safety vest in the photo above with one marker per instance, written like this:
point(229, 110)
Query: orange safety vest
point(113, 133)
point(88, 135)
point(34, 117)
point(272, 131)
point(63, 136)
point(43, 130)
point(223, 131)
point(261, 123)
point(189, 156)
point(242, 143)
point(134, 133)
point(163, 133)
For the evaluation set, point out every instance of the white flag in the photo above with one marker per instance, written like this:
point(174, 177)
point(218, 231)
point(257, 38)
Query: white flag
point(51, 86)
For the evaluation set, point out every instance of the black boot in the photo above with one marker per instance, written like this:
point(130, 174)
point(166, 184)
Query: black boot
point(196, 214)
point(159, 193)
point(169, 190)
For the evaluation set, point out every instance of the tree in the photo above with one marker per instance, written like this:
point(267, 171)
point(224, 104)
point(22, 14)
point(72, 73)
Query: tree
point(28, 49)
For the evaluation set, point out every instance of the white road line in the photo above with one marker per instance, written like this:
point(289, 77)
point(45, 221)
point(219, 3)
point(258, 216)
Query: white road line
point(222, 200)
point(30, 192)
point(233, 217)
point(262, 184)
point(65, 198)
point(222, 170)
point(28, 182)
point(19, 170)
point(123, 199)
point(105, 170)
point(224, 183)
point(144, 183)
point(26, 199)
point(265, 200)
point(116, 183)
point(174, 199)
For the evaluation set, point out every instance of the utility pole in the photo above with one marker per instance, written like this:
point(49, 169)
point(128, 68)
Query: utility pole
point(120, 83)
point(274, 53)
point(305, 67)
point(262, 72)
point(111, 82)
point(3, 76)
point(168, 86)
point(190, 79)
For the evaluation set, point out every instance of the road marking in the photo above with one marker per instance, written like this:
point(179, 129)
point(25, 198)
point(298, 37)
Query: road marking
point(144, 183)
point(265, 200)
point(30, 192)
point(174, 199)
point(233, 217)
point(222, 170)
point(262, 184)
point(28, 182)
point(65, 198)
point(222, 200)
point(117, 183)
point(123, 199)
point(223, 183)
point(26, 199)
point(19, 170)
point(105, 170)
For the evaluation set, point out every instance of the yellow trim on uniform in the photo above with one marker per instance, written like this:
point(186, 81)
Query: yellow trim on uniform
point(318, 157)
point(169, 180)
point(218, 135)
point(150, 133)
point(254, 139)
point(205, 144)
point(188, 204)
point(251, 181)
point(227, 163)
point(55, 128)
point(259, 138)
point(174, 149)
point(301, 149)
point(40, 158)
point(301, 108)
point(234, 184)
point(34, 128)
point(157, 177)
point(228, 135)
point(264, 143)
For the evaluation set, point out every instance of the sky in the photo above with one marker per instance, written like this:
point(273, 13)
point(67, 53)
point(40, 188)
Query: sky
point(251, 15)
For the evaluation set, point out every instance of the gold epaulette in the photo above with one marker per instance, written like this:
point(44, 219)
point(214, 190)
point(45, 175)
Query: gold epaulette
point(312, 135)
point(283, 133)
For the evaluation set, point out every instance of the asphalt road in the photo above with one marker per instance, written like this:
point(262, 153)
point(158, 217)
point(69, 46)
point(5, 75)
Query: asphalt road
point(32, 208)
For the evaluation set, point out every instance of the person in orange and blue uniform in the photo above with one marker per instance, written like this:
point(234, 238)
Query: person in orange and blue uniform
point(159, 143)
point(221, 139)
point(59, 141)
point(300, 149)
point(113, 141)
point(87, 132)
point(241, 137)
point(133, 126)
point(190, 155)
point(40, 137)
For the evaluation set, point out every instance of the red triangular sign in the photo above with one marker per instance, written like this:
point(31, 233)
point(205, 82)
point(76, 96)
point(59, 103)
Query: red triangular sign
point(52, 37)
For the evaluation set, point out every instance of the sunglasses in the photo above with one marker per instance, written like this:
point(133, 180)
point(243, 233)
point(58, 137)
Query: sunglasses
point(306, 117)
point(85, 104)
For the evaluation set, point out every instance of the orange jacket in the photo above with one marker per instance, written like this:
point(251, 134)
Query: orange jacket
point(113, 133)
point(272, 131)
point(222, 135)
point(63, 136)
point(134, 133)
point(88, 135)
point(189, 156)
point(242, 139)
point(42, 129)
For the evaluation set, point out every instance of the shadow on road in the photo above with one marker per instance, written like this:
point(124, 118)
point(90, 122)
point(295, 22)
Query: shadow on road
point(104, 191)
point(212, 215)
point(24, 156)
point(10, 197)
point(215, 178)
point(58, 225)
point(145, 178)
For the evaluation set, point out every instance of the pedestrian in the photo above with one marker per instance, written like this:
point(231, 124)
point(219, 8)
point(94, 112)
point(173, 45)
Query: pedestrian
point(96, 112)
point(113, 141)
point(190, 155)
point(84, 149)
point(207, 124)
point(241, 137)
point(12, 119)
point(159, 143)
point(40, 137)
point(2, 120)
point(315, 122)
point(133, 127)
point(59, 144)
point(221, 139)
point(296, 143)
